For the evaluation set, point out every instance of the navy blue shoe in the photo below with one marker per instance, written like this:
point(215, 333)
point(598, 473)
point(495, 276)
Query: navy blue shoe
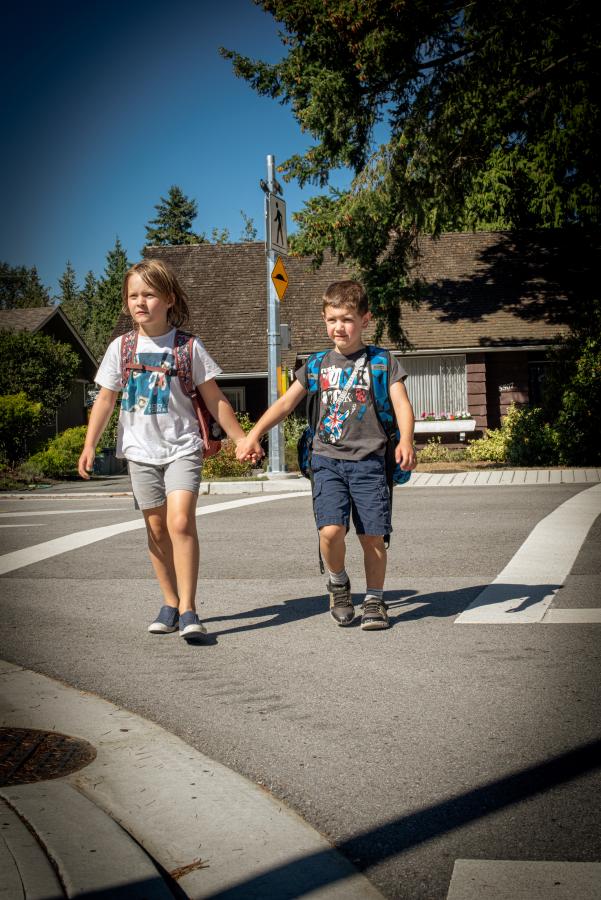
point(166, 621)
point(190, 625)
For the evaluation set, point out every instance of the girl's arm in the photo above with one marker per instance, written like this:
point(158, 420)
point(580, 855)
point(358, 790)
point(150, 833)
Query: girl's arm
point(104, 404)
point(221, 409)
point(405, 451)
point(278, 411)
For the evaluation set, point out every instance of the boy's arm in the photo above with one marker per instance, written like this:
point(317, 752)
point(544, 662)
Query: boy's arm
point(404, 452)
point(104, 404)
point(278, 411)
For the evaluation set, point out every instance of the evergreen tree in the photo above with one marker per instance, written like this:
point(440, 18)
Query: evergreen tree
point(489, 114)
point(173, 224)
point(70, 298)
point(21, 287)
point(107, 299)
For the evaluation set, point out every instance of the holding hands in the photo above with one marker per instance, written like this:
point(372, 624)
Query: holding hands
point(249, 448)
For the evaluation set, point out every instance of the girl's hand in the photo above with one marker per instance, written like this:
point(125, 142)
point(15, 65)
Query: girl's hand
point(405, 455)
point(86, 462)
point(249, 448)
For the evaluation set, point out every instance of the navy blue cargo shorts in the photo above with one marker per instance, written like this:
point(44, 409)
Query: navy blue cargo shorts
point(343, 487)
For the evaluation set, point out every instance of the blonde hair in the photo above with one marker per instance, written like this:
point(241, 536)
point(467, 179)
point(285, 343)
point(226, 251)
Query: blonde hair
point(350, 294)
point(164, 281)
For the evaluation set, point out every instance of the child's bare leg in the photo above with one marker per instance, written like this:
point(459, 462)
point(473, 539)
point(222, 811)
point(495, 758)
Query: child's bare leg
point(181, 524)
point(332, 546)
point(374, 559)
point(161, 552)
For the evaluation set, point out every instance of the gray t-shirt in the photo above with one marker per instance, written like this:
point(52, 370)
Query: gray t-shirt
point(350, 430)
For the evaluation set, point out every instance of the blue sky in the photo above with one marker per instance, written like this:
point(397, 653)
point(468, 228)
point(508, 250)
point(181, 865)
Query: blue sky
point(106, 105)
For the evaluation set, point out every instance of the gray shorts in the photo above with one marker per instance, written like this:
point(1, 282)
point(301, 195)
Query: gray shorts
point(151, 484)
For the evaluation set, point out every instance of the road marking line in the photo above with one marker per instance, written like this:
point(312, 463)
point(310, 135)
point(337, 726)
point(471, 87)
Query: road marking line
point(572, 616)
point(508, 879)
point(30, 555)
point(58, 512)
point(524, 590)
point(24, 525)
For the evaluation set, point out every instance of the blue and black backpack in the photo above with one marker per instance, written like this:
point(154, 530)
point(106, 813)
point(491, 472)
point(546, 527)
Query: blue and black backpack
point(379, 364)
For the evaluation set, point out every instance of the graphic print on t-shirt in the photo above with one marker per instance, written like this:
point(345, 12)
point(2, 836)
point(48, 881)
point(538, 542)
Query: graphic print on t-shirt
point(148, 392)
point(335, 417)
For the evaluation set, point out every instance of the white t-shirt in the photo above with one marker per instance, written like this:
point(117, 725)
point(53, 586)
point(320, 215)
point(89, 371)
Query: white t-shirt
point(157, 423)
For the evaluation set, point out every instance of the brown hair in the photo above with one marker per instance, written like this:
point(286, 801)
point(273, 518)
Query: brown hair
point(346, 293)
point(160, 277)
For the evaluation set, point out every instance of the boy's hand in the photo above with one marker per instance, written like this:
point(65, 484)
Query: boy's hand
point(249, 448)
point(86, 463)
point(405, 455)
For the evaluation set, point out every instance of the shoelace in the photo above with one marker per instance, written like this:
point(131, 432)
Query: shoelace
point(374, 607)
point(341, 597)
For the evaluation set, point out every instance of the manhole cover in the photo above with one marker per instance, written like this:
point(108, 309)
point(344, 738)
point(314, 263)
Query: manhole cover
point(27, 755)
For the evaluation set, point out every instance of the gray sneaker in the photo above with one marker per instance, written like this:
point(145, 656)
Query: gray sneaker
point(190, 625)
point(374, 616)
point(166, 621)
point(341, 604)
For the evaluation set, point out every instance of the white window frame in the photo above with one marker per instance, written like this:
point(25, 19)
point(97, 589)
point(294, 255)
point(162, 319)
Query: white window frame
point(236, 396)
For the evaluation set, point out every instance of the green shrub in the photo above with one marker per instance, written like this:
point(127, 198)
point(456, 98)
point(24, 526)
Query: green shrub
point(59, 458)
point(577, 422)
point(38, 365)
point(225, 465)
point(433, 451)
point(524, 439)
point(20, 419)
point(293, 428)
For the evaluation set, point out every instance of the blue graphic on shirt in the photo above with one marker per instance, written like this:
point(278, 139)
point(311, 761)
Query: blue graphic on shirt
point(148, 392)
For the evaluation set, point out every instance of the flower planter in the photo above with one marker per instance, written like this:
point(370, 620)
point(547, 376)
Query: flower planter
point(444, 426)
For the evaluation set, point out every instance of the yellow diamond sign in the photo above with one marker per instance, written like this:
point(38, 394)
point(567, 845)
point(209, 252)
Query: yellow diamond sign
point(279, 276)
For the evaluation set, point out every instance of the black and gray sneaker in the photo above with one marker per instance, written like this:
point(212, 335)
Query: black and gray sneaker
point(341, 603)
point(374, 616)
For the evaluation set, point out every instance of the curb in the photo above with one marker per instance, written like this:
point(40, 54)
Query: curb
point(483, 478)
point(216, 833)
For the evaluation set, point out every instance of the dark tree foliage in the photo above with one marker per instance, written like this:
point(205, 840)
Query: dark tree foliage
point(21, 287)
point(107, 300)
point(38, 365)
point(173, 223)
point(490, 114)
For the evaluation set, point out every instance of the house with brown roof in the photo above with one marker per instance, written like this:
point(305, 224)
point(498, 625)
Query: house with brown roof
point(52, 321)
point(493, 305)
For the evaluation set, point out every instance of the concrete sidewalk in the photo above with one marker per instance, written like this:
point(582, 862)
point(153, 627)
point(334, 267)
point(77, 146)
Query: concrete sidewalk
point(119, 485)
point(150, 817)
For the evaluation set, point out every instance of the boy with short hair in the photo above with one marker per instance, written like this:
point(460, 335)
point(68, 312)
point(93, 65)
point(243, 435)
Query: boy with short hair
point(348, 460)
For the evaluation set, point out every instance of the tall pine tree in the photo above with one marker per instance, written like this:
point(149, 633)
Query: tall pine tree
point(108, 300)
point(70, 298)
point(21, 287)
point(173, 223)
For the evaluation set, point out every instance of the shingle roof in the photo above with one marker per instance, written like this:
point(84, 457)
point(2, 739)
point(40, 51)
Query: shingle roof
point(30, 319)
point(482, 289)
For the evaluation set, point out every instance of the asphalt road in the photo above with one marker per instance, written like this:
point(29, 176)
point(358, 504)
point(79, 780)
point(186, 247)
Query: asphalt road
point(409, 748)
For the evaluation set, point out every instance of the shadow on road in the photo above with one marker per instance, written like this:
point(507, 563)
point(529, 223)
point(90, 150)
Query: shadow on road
point(404, 606)
point(307, 873)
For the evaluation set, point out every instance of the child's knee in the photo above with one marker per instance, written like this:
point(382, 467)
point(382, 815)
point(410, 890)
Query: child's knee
point(372, 542)
point(332, 534)
point(181, 525)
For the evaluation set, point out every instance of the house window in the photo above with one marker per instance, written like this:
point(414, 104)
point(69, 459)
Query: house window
point(436, 384)
point(236, 396)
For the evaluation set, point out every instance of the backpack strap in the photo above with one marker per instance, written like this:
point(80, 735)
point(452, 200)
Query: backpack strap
point(379, 361)
point(182, 348)
point(129, 342)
